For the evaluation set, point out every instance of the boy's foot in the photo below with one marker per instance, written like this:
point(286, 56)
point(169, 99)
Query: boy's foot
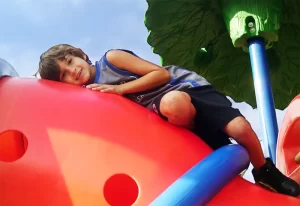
point(268, 176)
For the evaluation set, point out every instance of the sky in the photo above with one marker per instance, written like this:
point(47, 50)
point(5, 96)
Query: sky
point(29, 27)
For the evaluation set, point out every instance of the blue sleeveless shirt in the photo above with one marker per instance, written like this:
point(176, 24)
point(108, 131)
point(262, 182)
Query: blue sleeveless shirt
point(181, 80)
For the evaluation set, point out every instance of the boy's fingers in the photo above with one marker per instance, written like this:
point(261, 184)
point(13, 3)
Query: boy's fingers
point(106, 90)
point(92, 85)
point(98, 88)
point(101, 88)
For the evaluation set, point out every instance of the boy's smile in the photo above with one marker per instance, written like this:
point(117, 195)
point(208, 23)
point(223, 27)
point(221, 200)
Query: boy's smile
point(75, 70)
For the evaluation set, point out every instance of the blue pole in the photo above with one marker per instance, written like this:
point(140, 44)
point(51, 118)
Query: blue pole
point(200, 184)
point(263, 93)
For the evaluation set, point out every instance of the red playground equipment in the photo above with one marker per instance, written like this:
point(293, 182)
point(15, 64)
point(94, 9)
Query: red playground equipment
point(288, 148)
point(63, 145)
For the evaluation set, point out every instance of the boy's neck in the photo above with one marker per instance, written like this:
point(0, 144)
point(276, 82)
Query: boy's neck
point(93, 74)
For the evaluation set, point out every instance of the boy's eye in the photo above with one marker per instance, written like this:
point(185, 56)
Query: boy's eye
point(70, 61)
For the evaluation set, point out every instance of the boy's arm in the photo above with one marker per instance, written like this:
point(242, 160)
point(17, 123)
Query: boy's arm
point(151, 75)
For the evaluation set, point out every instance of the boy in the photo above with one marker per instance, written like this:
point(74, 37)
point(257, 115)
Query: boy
point(179, 96)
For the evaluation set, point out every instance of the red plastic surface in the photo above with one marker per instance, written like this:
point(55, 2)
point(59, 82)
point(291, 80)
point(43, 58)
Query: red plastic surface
point(288, 145)
point(83, 146)
point(242, 193)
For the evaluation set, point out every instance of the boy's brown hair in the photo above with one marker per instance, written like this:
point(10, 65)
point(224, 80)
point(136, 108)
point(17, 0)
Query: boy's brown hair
point(48, 67)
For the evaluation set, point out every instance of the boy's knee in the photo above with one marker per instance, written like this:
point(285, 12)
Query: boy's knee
point(179, 110)
point(238, 127)
point(175, 102)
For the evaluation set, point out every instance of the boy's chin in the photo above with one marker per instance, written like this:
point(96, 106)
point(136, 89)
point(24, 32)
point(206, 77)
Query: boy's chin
point(83, 81)
point(89, 81)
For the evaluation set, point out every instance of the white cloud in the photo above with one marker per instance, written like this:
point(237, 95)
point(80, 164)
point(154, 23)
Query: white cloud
point(42, 11)
point(85, 42)
point(25, 62)
point(4, 49)
point(76, 3)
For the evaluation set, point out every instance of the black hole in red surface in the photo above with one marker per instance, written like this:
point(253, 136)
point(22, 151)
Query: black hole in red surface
point(121, 190)
point(13, 145)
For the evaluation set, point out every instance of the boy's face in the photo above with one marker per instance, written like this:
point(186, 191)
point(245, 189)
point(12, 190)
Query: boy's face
point(75, 70)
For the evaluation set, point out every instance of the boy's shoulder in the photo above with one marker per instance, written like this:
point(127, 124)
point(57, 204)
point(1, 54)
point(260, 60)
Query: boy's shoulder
point(124, 50)
point(104, 61)
point(105, 64)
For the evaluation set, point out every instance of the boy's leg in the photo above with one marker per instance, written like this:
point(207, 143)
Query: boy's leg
point(177, 108)
point(180, 111)
point(241, 131)
point(265, 172)
point(215, 112)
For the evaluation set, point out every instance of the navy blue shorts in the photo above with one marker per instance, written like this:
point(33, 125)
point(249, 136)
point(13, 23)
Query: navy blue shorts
point(213, 113)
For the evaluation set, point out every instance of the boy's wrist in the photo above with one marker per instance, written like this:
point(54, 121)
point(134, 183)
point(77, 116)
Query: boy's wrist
point(121, 89)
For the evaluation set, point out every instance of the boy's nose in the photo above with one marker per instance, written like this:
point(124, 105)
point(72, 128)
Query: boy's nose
point(74, 72)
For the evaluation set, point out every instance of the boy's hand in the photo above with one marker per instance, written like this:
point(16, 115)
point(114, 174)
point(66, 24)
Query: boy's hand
point(115, 89)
